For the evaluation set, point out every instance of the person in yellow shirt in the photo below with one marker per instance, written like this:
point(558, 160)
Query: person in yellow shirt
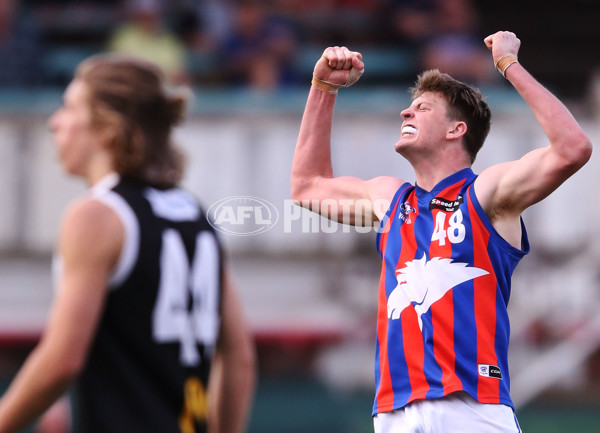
point(144, 35)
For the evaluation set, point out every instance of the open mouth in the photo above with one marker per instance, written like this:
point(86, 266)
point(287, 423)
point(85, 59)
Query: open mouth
point(408, 130)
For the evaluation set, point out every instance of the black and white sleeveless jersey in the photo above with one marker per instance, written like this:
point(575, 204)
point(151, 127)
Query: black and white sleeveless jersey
point(149, 363)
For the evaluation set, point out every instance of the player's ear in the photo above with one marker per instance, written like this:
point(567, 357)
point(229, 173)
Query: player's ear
point(456, 130)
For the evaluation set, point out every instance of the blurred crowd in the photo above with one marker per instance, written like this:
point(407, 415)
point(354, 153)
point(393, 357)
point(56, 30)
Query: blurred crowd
point(249, 43)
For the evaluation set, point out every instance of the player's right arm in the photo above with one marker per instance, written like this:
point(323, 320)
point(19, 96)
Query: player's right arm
point(312, 182)
point(62, 351)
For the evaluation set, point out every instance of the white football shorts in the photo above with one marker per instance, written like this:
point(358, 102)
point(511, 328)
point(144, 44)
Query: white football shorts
point(455, 413)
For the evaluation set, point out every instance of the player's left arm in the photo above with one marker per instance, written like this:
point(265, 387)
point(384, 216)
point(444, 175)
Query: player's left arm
point(505, 190)
point(89, 244)
point(233, 371)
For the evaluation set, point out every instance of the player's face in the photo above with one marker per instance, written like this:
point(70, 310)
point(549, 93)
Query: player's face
point(424, 124)
point(77, 142)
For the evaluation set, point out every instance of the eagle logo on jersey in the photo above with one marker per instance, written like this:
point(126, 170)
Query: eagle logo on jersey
point(422, 283)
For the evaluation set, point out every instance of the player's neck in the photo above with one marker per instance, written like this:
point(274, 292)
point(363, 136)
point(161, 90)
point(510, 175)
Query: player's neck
point(99, 169)
point(429, 173)
point(434, 163)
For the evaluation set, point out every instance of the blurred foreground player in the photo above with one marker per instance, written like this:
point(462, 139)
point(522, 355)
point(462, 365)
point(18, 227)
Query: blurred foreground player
point(449, 243)
point(145, 317)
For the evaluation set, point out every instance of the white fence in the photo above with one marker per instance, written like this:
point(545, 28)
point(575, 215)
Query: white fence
point(319, 283)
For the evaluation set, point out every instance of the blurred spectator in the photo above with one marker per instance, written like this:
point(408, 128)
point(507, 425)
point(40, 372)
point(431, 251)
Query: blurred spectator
point(259, 52)
point(445, 36)
point(203, 26)
point(216, 18)
point(146, 36)
point(358, 20)
point(457, 48)
point(336, 22)
point(412, 21)
point(20, 47)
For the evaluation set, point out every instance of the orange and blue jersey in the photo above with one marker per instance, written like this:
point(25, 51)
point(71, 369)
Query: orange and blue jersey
point(442, 322)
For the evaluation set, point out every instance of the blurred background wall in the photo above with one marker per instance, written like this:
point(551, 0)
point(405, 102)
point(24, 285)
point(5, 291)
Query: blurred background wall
point(309, 287)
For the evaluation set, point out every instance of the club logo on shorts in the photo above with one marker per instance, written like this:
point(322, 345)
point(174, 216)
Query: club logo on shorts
point(487, 370)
